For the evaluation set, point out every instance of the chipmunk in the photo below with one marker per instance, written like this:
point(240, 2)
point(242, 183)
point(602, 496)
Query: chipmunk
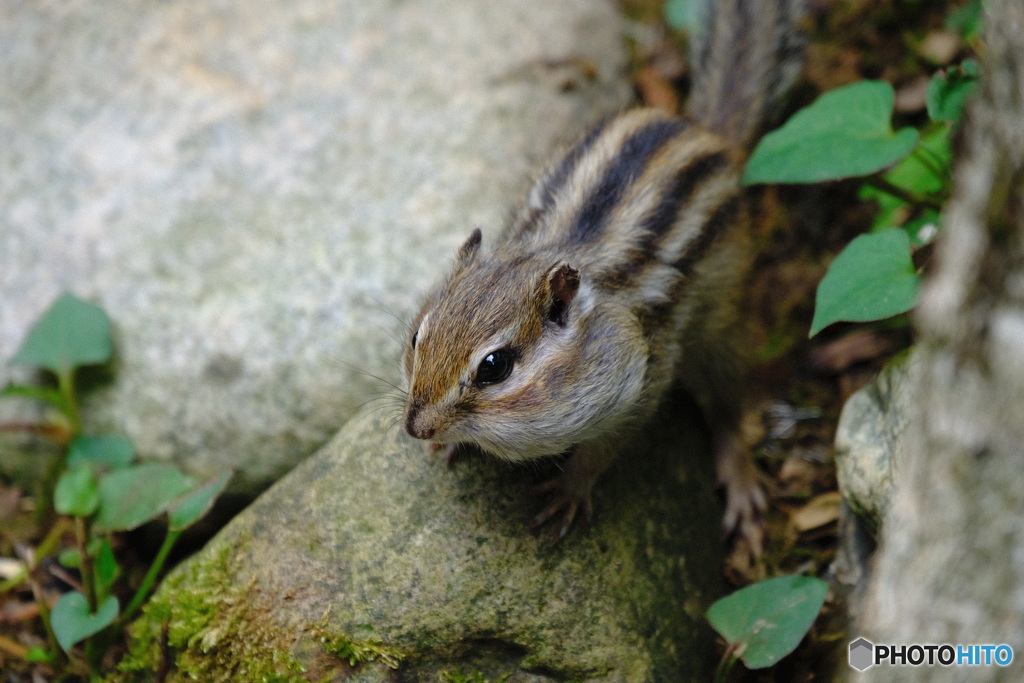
point(619, 275)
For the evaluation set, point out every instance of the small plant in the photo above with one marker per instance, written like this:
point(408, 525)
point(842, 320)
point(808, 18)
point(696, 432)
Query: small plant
point(847, 133)
point(97, 485)
point(765, 621)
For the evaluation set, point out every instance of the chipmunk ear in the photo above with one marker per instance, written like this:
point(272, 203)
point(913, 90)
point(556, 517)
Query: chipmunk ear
point(469, 248)
point(563, 282)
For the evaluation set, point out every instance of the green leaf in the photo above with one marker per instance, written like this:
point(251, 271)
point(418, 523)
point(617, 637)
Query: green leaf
point(768, 619)
point(873, 278)
point(685, 15)
point(948, 92)
point(39, 654)
point(101, 451)
point(926, 172)
point(927, 169)
point(134, 495)
point(846, 132)
point(72, 622)
point(191, 507)
point(966, 20)
point(71, 333)
point(76, 492)
point(70, 558)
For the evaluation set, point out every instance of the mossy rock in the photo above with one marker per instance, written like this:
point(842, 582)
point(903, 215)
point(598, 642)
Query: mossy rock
point(375, 561)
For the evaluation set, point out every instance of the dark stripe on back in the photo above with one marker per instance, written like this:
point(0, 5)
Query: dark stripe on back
point(679, 191)
point(722, 218)
point(633, 157)
point(660, 221)
point(557, 177)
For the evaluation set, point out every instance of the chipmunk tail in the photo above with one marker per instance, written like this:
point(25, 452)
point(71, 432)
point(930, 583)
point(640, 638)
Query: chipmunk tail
point(745, 59)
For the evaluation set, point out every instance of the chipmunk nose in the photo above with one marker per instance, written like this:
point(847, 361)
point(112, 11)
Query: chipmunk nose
point(417, 426)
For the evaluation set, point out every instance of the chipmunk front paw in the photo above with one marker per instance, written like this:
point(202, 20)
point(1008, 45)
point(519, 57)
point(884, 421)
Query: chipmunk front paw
point(453, 452)
point(566, 502)
point(745, 499)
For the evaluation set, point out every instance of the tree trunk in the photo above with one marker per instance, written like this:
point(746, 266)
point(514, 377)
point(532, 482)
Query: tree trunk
point(951, 565)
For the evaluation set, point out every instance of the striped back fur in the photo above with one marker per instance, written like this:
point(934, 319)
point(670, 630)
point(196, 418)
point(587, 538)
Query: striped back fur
point(643, 188)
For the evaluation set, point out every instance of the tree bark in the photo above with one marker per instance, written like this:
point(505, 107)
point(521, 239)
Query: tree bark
point(951, 564)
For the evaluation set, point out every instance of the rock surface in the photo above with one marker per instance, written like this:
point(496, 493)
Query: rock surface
point(373, 546)
point(256, 193)
point(870, 436)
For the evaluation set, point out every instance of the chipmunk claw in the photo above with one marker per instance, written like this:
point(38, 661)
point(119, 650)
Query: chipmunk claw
point(564, 502)
point(744, 516)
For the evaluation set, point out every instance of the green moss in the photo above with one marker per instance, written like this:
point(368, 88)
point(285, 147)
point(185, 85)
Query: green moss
point(354, 652)
point(211, 628)
point(475, 677)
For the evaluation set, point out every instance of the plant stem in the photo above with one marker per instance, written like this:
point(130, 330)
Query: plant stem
point(14, 581)
point(93, 656)
point(883, 185)
point(45, 487)
point(927, 159)
point(44, 616)
point(69, 409)
point(726, 664)
point(150, 578)
point(86, 566)
point(66, 386)
point(52, 541)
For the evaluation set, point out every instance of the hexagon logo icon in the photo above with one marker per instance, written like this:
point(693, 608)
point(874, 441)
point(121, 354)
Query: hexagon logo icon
point(862, 654)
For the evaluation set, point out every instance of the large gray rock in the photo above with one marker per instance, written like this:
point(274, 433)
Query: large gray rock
point(257, 192)
point(374, 553)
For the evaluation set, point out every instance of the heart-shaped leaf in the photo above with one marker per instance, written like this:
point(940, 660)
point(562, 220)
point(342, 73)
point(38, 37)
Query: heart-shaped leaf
point(871, 279)
point(76, 492)
point(72, 622)
point(188, 509)
point(845, 133)
point(70, 333)
point(134, 495)
point(767, 620)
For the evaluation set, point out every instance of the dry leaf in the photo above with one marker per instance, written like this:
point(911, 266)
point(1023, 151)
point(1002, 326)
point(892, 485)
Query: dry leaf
point(818, 512)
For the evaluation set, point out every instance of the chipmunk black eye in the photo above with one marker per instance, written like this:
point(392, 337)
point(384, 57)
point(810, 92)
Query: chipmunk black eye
point(414, 336)
point(495, 367)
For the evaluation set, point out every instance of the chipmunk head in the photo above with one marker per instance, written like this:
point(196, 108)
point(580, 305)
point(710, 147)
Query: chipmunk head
point(486, 347)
